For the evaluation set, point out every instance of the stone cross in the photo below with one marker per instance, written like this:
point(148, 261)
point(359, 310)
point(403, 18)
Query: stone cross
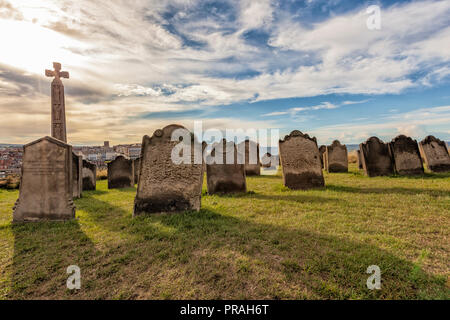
point(58, 104)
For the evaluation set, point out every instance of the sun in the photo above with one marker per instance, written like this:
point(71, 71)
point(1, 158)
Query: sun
point(31, 47)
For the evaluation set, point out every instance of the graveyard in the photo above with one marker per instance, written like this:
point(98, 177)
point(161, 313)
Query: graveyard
point(267, 243)
point(263, 150)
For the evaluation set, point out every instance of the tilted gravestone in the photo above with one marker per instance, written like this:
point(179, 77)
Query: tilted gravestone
point(252, 162)
point(435, 153)
point(167, 183)
point(137, 163)
point(225, 170)
point(89, 175)
point(46, 182)
point(300, 158)
point(336, 157)
point(322, 150)
point(406, 156)
point(376, 158)
point(120, 173)
point(77, 175)
point(360, 163)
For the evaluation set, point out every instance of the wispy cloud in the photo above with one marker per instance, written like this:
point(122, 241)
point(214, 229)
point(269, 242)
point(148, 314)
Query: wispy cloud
point(171, 55)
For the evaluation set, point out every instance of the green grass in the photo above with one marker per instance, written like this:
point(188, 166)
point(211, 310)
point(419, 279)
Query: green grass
point(270, 243)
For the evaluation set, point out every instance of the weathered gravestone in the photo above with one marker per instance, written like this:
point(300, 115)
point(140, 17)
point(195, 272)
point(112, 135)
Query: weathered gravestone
point(89, 175)
point(322, 150)
point(406, 156)
point(137, 163)
point(360, 162)
point(252, 162)
point(77, 175)
point(336, 157)
point(225, 173)
point(300, 158)
point(120, 173)
point(46, 182)
point(435, 153)
point(171, 172)
point(376, 158)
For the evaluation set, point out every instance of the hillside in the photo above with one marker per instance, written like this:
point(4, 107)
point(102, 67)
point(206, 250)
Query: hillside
point(270, 243)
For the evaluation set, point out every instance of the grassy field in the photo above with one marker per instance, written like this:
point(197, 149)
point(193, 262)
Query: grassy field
point(270, 243)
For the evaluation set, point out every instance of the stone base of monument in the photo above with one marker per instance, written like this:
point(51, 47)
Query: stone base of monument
point(46, 182)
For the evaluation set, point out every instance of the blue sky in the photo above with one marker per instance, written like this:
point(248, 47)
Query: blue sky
point(310, 65)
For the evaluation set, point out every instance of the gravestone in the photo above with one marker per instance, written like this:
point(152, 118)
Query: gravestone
point(224, 173)
point(336, 157)
point(89, 175)
point(376, 158)
point(435, 153)
point(46, 182)
point(252, 162)
point(269, 161)
point(77, 175)
point(120, 173)
point(166, 184)
point(137, 163)
point(300, 158)
point(406, 156)
point(322, 150)
point(360, 163)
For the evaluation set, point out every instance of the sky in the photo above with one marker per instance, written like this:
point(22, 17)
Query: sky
point(314, 66)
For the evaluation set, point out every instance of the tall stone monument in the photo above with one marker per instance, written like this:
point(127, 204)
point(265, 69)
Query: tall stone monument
point(58, 104)
point(46, 186)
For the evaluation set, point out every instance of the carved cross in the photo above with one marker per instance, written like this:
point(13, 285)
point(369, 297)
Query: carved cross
point(57, 73)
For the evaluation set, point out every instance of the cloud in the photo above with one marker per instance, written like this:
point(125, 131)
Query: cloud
point(172, 56)
point(417, 124)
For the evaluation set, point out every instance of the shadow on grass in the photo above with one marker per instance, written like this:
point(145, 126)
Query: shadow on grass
point(302, 198)
point(42, 253)
point(217, 256)
point(387, 190)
